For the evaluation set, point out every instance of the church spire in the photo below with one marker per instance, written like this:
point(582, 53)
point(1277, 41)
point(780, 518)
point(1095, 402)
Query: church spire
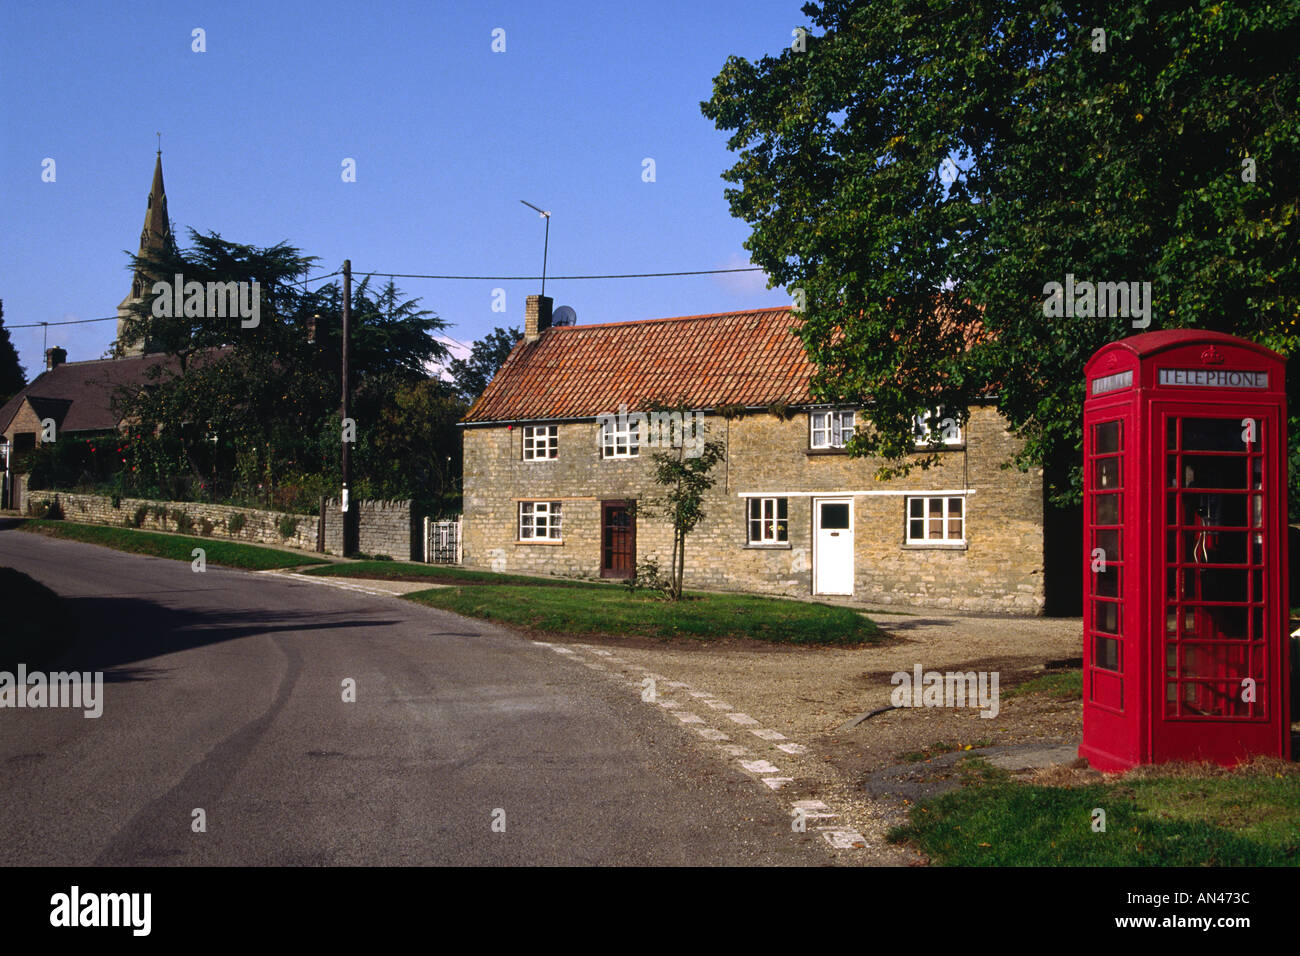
point(153, 240)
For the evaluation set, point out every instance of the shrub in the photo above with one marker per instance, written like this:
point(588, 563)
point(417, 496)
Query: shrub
point(235, 523)
point(160, 515)
point(46, 509)
point(137, 519)
point(207, 526)
point(117, 501)
point(184, 523)
point(287, 526)
point(648, 575)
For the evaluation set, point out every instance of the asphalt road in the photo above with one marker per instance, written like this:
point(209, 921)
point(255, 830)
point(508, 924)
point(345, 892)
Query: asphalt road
point(223, 691)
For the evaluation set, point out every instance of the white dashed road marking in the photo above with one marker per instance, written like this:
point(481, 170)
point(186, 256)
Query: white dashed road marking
point(769, 774)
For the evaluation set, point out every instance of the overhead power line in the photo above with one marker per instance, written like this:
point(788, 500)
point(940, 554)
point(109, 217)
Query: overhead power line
point(625, 275)
point(37, 325)
point(414, 275)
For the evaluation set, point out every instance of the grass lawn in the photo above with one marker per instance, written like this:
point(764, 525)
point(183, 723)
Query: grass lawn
point(228, 554)
point(580, 608)
point(1061, 685)
point(1166, 817)
point(440, 574)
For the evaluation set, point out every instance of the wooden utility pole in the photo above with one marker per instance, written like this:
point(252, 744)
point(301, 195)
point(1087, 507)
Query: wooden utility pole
point(349, 541)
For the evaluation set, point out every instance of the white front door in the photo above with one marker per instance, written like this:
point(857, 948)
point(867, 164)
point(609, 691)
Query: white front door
point(833, 546)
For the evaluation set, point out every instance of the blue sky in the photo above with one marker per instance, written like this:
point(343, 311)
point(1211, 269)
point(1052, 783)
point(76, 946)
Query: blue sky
point(447, 135)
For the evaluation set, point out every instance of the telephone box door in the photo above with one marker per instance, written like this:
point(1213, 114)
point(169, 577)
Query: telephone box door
point(1223, 618)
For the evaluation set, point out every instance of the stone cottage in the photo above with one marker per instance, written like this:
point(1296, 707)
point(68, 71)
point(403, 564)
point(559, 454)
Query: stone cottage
point(553, 472)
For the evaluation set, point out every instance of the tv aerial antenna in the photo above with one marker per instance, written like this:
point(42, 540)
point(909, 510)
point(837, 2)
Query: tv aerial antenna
point(545, 214)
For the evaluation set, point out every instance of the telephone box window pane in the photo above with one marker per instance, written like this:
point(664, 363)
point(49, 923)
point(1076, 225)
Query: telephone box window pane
point(1216, 585)
point(1105, 616)
point(1215, 472)
point(1108, 541)
point(1107, 509)
point(1106, 438)
point(1107, 582)
point(1171, 433)
point(1215, 547)
point(1231, 622)
point(1105, 653)
point(1107, 474)
point(1214, 434)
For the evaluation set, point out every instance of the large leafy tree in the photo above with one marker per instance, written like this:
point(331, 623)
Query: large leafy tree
point(486, 357)
point(415, 445)
point(251, 406)
point(921, 170)
point(12, 375)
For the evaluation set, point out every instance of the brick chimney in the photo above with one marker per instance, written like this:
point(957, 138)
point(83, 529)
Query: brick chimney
point(57, 356)
point(537, 316)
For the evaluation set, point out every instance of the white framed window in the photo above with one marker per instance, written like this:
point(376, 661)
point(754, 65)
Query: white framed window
point(541, 442)
point(935, 425)
point(936, 520)
point(620, 438)
point(539, 521)
point(769, 520)
point(831, 429)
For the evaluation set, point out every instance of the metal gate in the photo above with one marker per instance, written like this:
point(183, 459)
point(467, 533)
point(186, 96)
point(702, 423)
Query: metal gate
point(442, 541)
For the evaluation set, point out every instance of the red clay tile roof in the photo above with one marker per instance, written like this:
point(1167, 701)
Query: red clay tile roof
point(703, 361)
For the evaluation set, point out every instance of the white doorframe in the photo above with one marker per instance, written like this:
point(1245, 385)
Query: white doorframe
point(836, 576)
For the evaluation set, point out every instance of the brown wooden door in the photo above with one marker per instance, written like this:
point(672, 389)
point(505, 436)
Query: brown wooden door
point(617, 540)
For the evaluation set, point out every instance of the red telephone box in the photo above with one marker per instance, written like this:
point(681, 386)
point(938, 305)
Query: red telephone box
point(1185, 602)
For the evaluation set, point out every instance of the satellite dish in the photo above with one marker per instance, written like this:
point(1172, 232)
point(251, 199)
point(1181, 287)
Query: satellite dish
point(564, 315)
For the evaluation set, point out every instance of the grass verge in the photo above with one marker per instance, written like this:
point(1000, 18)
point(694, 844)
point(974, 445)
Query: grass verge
point(565, 608)
point(1167, 816)
point(1060, 685)
point(441, 574)
point(939, 748)
point(228, 554)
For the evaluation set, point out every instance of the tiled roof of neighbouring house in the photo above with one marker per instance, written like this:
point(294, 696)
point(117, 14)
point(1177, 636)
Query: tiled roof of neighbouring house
point(84, 390)
point(702, 361)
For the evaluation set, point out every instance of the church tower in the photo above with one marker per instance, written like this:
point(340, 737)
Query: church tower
point(153, 239)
